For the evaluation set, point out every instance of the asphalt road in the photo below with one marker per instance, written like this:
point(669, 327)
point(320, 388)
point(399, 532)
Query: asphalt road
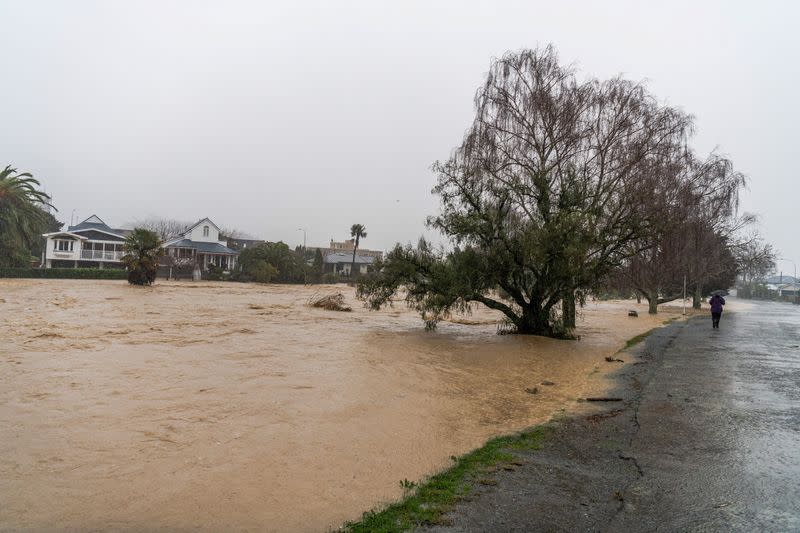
point(708, 439)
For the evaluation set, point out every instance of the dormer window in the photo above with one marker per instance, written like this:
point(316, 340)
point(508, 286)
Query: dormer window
point(205, 231)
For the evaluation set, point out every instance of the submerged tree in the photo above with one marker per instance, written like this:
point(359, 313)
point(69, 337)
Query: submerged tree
point(22, 216)
point(541, 200)
point(142, 251)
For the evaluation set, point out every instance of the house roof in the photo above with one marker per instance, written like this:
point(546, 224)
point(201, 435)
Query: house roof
point(248, 242)
point(95, 223)
point(774, 280)
point(348, 258)
point(202, 247)
point(191, 227)
point(67, 233)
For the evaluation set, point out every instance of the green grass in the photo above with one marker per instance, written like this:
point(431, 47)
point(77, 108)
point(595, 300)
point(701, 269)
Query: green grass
point(425, 503)
point(637, 339)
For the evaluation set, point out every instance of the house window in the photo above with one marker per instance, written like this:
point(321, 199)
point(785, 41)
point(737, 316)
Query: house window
point(205, 231)
point(64, 246)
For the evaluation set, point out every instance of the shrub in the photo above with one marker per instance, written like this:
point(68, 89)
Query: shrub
point(215, 273)
point(64, 273)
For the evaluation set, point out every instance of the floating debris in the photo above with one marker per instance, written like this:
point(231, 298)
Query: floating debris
point(331, 302)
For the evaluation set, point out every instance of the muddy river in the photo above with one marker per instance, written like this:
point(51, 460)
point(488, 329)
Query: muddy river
point(237, 407)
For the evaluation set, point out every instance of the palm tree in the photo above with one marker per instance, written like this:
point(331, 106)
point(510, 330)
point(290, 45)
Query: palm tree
point(356, 231)
point(22, 219)
point(142, 251)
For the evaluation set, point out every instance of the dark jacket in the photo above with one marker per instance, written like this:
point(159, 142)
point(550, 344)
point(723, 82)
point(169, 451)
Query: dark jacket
point(716, 302)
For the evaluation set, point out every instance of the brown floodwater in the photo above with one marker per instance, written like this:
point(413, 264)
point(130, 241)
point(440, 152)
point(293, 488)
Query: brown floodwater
point(232, 406)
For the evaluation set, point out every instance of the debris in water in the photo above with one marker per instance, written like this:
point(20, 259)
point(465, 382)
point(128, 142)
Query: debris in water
point(532, 390)
point(632, 312)
point(612, 359)
point(548, 383)
point(331, 302)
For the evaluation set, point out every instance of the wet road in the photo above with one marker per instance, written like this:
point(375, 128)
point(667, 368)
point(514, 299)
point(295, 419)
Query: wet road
point(707, 439)
point(719, 436)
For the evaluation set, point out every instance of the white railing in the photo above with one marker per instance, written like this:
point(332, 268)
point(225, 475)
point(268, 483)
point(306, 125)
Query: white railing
point(101, 255)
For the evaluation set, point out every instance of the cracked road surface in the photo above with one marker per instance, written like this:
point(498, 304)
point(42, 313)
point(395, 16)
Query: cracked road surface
point(708, 440)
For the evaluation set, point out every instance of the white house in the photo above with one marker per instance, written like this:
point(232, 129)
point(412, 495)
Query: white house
point(200, 245)
point(90, 244)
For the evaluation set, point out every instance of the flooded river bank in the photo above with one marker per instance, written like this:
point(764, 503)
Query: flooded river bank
point(231, 406)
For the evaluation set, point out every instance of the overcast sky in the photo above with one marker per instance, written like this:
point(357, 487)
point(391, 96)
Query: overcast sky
point(269, 117)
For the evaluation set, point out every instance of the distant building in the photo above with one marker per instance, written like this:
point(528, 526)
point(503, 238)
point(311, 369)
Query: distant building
point(337, 247)
point(341, 263)
point(199, 244)
point(774, 282)
point(241, 244)
point(788, 289)
point(89, 244)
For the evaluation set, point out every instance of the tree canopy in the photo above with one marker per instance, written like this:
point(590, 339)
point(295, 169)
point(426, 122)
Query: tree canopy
point(143, 248)
point(23, 217)
point(271, 261)
point(556, 183)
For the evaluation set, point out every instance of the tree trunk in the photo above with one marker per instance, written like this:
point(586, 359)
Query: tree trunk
point(568, 310)
point(534, 321)
point(638, 298)
point(697, 298)
point(353, 265)
point(652, 305)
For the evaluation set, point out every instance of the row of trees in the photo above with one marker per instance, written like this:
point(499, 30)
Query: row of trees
point(562, 188)
point(276, 262)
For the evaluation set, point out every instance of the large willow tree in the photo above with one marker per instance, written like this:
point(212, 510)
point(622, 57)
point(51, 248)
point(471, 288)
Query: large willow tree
point(542, 198)
point(22, 217)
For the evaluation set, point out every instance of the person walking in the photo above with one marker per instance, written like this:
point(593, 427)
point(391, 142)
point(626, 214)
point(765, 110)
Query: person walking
point(716, 301)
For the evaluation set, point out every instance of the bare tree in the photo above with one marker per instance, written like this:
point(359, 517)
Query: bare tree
point(755, 258)
point(711, 227)
point(165, 228)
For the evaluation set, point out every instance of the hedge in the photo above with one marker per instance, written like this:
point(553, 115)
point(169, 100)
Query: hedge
point(64, 273)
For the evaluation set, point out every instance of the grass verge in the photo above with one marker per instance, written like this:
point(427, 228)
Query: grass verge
point(633, 341)
point(425, 503)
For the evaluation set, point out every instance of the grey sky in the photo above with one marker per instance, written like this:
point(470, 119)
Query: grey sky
point(268, 117)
